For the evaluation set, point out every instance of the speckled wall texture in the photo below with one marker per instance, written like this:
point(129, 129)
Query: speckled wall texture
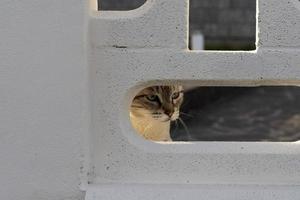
point(68, 76)
point(224, 23)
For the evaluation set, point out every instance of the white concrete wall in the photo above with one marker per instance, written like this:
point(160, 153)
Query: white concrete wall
point(131, 50)
point(43, 99)
point(46, 86)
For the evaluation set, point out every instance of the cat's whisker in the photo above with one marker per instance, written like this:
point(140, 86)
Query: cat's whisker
point(185, 128)
point(176, 123)
point(189, 115)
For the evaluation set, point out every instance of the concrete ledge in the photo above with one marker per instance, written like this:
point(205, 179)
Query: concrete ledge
point(192, 192)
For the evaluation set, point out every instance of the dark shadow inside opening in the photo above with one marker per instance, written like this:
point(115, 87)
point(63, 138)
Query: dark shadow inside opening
point(240, 114)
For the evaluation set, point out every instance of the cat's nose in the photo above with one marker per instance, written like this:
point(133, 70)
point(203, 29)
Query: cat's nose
point(169, 112)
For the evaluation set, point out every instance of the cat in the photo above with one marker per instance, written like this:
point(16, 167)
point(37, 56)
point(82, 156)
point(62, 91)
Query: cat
point(153, 109)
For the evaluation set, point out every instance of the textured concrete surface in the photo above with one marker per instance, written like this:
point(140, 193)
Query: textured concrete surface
point(192, 192)
point(46, 83)
point(279, 23)
point(128, 29)
point(224, 23)
point(119, 70)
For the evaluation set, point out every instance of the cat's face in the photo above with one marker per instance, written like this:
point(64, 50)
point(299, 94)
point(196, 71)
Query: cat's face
point(160, 103)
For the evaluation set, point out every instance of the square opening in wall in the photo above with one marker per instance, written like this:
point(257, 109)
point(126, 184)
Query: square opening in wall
point(222, 25)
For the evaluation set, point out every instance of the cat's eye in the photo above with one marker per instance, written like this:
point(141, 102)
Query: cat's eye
point(175, 95)
point(152, 97)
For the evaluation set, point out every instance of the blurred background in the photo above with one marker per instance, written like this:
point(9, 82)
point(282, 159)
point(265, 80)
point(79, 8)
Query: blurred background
point(229, 113)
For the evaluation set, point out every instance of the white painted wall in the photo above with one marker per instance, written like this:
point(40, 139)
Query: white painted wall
point(43, 99)
point(46, 86)
point(131, 50)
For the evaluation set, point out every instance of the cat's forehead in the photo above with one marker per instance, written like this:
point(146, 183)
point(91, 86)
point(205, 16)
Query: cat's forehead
point(161, 89)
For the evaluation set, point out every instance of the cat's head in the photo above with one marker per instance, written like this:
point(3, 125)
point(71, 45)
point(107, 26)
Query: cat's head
point(160, 103)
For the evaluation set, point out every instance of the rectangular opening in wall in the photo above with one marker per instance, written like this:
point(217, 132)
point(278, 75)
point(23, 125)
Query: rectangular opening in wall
point(119, 4)
point(180, 113)
point(222, 24)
